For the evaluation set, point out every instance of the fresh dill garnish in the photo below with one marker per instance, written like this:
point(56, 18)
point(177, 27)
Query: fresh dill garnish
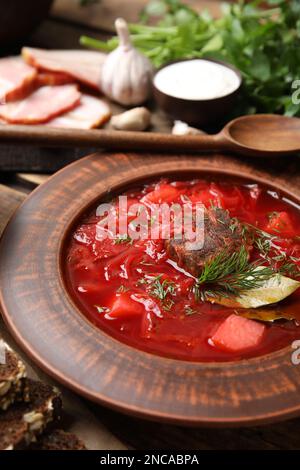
point(230, 274)
point(168, 304)
point(277, 259)
point(101, 309)
point(213, 204)
point(289, 269)
point(188, 310)
point(161, 290)
point(123, 239)
point(234, 224)
point(122, 289)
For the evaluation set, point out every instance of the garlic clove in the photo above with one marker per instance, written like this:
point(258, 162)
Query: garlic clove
point(182, 128)
point(126, 73)
point(136, 119)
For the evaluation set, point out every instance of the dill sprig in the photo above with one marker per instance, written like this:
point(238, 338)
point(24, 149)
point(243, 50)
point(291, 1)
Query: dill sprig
point(161, 289)
point(121, 289)
point(188, 310)
point(230, 274)
point(123, 239)
point(265, 243)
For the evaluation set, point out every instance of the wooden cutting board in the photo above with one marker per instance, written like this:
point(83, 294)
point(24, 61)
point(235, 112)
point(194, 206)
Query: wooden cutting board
point(26, 158)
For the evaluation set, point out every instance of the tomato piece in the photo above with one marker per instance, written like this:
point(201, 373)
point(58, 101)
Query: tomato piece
point(235, 334)
point(280, 222)
point(125, 306)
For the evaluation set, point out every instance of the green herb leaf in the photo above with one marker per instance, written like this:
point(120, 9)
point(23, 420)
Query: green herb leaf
point(269, 291)
point(228, 275)
point(122, 289)
point(102, 309)
point(123, 239)
point(263, 43)
point(189, 311)
point(162, 290)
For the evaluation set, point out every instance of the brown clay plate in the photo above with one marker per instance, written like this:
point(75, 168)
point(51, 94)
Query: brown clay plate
point(49, 327)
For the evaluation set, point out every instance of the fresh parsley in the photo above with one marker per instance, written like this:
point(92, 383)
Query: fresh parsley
point(264, 44)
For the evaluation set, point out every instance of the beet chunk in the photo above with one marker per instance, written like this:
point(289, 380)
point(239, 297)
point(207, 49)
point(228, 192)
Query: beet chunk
point(237, 334)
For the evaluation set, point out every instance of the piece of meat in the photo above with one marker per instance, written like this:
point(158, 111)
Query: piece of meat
point(237, 334)
point(42, 105)
point(90, 113)
point(16, 78)
point(53, 79)
point(84, 66)
point(218, 236)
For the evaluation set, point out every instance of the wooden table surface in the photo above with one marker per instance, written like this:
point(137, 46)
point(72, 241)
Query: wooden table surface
point(99, 427)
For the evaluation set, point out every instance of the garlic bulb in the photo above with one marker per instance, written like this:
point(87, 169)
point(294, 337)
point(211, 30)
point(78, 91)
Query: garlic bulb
point(126, 73)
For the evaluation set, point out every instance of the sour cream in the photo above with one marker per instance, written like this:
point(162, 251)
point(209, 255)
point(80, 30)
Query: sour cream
point(197, 79)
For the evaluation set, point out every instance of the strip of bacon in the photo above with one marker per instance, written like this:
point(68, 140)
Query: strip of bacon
point(90, 113)
point(16, 78)
point(84, 66)
point(42, 105)
point(53, 78)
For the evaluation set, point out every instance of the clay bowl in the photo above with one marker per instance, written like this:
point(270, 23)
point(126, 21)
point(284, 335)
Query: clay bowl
point(54, 333)
point(199, 112)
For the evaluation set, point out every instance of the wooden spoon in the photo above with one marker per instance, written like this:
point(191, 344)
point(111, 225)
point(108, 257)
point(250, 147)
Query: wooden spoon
point(260, 135)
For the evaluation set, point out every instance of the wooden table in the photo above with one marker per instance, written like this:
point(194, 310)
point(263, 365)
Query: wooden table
point(99, 427)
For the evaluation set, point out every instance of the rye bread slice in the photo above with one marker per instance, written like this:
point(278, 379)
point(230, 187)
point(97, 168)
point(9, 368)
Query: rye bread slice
point(12, 377)
point(23, 422)
point(59, 440)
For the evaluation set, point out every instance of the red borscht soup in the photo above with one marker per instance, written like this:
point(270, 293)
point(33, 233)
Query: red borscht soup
point(157, 295)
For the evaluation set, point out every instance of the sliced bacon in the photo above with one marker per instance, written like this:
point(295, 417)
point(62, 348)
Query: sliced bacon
point(53, 78)
point(84, 66)
point(42, 105)
point(90, 113)
point(16, 78)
